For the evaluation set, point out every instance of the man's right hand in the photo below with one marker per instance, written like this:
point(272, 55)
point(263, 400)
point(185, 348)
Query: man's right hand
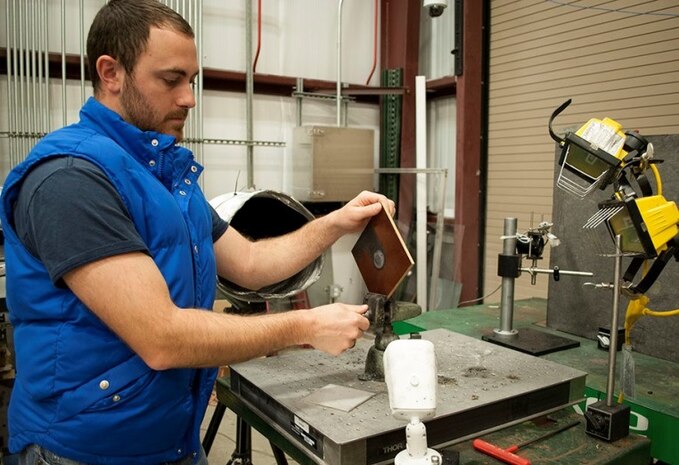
point(335, 327)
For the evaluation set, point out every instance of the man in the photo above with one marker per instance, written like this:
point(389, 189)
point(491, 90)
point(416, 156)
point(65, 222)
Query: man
point(112, 251)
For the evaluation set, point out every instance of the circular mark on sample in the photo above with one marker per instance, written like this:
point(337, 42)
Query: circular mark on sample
point(378, 259)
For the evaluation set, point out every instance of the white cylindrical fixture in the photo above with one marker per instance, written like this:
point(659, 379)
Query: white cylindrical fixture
point(416, 438)
point(421, 190)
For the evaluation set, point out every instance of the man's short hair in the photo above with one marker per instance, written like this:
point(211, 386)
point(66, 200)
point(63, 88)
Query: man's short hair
point(121, 30)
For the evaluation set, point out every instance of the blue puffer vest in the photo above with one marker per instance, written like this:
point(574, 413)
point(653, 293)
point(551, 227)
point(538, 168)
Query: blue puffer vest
point(80, 391)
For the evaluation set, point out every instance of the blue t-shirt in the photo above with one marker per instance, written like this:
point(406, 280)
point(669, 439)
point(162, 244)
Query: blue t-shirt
point(68, 214)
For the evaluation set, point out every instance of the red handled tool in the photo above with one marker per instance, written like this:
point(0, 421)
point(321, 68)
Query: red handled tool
point(507, 455)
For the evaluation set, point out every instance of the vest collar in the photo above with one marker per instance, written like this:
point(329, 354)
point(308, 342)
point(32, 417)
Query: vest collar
point(150, 148)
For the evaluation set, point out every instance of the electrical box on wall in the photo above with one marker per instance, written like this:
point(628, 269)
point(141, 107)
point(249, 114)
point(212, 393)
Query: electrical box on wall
point(332, 164)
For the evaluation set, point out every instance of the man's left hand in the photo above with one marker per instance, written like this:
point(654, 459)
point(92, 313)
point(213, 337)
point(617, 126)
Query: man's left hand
point(353, 216)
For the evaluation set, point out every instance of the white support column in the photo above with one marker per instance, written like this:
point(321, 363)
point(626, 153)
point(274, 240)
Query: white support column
point(421, 190)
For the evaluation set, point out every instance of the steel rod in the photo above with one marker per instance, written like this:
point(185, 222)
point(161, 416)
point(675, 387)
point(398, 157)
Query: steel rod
point(345, 112)
point(22, 81)
point(299, 89)
point(191, 120)
point(320, 96)
point(260, 143)
point(48, 104)
point(421, 259)
point(438, 243)
point(39, 45)
point(16, 85)
point(410, 170)
point(339, 62)
point(199, 103)
point(550, 271)
point(249, 90)
point(82, 51)
point(10, 79)
point(613, 346)
point(33, 70)
point(507, 299)
point(64, 113)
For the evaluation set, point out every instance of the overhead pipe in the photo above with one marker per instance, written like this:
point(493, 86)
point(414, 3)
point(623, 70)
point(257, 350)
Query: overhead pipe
point(19, 79)
point(189, 131)
point(191, 11)
point(372, 71)
point(27, 89)
point(22, 81)
point(30, 76)
point(189, 126)
point(259, 34)
point(199, 123)
point(64, 114)
point(81, 11)
point(192, 121)
point(249, 90)
point(9, 80)
point(34, 101)
point(44, 69)
point(10, 83)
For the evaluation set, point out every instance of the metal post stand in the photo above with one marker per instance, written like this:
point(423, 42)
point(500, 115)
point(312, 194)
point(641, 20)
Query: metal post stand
point(527, 340)
point(605, 419)
point(507, 296)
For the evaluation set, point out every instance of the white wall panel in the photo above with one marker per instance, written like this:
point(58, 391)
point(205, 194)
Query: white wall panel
point(299, 38)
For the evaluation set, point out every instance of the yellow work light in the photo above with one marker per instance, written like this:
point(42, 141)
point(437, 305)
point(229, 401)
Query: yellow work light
point(589, 157)
point(646, 225)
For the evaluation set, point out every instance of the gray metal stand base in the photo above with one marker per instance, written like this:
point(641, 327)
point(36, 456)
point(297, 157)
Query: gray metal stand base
point(531, 341)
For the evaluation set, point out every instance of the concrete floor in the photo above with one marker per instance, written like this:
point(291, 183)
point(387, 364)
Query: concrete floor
point(225, 442)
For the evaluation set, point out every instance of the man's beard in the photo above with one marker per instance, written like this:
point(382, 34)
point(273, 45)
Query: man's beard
point(140, 112)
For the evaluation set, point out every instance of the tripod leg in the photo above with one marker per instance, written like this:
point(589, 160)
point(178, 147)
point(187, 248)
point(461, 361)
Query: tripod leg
point(278, 454)
point(213, 427)
point(243, 453)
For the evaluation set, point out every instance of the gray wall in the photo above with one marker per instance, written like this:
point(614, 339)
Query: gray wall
point(581, 310)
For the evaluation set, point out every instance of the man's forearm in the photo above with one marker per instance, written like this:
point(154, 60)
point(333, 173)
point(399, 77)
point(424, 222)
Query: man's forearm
point(254, 265)
point(198, 338)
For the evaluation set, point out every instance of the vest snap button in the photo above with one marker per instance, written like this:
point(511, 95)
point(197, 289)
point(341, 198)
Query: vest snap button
point(154, 142)
point(152, 163)
point(182, 193)
point(194, 168)
point(115, 398)
point(103, 384)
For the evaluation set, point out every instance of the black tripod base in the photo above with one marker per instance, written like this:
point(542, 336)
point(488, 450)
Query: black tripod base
point(531, 341)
